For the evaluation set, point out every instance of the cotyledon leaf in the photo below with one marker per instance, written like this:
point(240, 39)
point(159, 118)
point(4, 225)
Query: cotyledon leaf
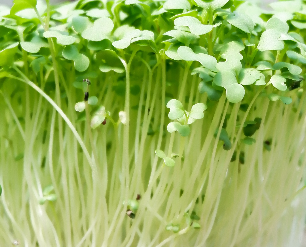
point(80, 23)
point(211, 4)
point(248, 76)
point(195, 26)
point(176, 109)
point(293, 69)
point(100, 29)
point(187, 54)
point(184, 130)
point(61, 38)
point(177, 4)
point(278, 82)
point(182, 36)
point(23, 4)
point(270, 39)
point(241, 21)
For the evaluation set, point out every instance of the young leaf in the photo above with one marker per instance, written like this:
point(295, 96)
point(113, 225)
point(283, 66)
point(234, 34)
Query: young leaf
point(23, 4)
point(7, 54)
point(224, 137)
point(100, 29)
point(183, 130)
point(278, 82)
point(235, 93)
point(270, 39)
point(197, 111)
point(212, 93)
point(122, 117)
point(169, 162)
point(196, 225)
point(195, 26)
point(93, 100)
point(241, 21)
point(182, 36)
point(81, 62)
point(160, 154)
point(248, 76)
point(293, 69)
point(187, 54)
point(61, 38)
point(80, 23)
point(248, 140)
point(176, 109)
point(97, 121)
point(177, 4)
point(80, 106)
point(296, 57)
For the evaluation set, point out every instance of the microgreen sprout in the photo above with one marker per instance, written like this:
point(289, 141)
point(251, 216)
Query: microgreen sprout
point(92, 94)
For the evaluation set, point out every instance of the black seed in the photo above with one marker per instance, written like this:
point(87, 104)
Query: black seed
point(138, 197)
point(86, 96)
point(104, 121)
point(130, 214)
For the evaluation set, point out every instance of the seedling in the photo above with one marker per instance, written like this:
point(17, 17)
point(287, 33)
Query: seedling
point(215, 89)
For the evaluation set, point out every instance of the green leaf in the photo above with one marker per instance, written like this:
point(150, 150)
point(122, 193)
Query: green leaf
point(296, 57)
point(169, 162)
point(196, 225)
point(38, 63)
point(80, 106)
point(97, 121)
point(212, 93)
point(93, 100)
point(176, 109)
point(34, 46)
point(126, 40)
point(133, 205)
point(177, 4)
point(241, 21)
point(80, 23)
point(270, 39)
point(172, 52)
point(7, 54)
point(100, 29)
point(225, 79)
point(133, 36)
point(248, 76)
point(276, 97)
point(183, 130)
point(251, 128)
point(109, 61)
point(195, 26)
point(277, 24)
point(298, 24)
point(248, 140)
point(224, 137)
point(47, 190)
point(197, 111)
point(81, 62)
point(263, 65)
point(160, 154)
point(278, 82)
point(215, 4)
point(182, 36)
point(293, 69)
point(235, 93)
point(97, 13)
point(61, 38)
point(23, 4)
point(98, 117)
point(187, 54)
point(70, 52)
